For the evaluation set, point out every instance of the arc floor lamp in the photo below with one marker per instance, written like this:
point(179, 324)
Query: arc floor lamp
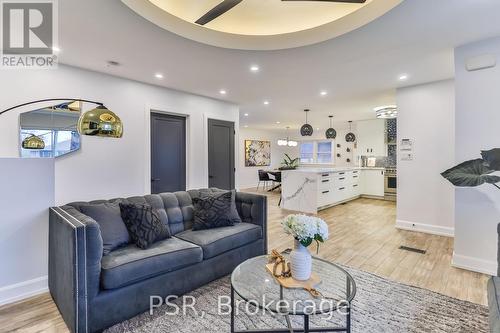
point(99, 121)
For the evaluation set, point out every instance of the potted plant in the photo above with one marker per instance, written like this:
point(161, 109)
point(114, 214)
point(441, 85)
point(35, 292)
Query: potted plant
point(306, 230)
point(476, 172)
point(289, 163)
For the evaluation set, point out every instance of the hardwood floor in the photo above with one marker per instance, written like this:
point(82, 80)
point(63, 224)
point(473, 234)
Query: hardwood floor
point(362, 235)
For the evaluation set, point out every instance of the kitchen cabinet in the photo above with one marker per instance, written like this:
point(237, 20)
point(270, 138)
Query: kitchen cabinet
point(371, 138)
point(373, 182)
point(310, 190)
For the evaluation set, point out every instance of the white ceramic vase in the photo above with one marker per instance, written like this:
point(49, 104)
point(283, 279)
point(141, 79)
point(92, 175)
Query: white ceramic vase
point(301, 262)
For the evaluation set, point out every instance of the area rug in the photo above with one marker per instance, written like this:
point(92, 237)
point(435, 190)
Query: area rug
point(380, 306)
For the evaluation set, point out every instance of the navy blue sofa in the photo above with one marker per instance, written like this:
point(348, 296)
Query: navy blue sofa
point(94, 292)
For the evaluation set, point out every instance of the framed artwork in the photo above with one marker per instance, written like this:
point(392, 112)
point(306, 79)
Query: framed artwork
point(257, 153)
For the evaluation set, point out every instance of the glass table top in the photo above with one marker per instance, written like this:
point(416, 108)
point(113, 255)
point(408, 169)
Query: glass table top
point(255, 284)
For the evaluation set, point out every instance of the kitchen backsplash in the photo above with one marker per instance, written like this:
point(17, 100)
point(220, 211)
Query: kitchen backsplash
point(384, 161)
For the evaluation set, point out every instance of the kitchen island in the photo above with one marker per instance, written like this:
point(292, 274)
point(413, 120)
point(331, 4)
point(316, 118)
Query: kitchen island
point(308, 190)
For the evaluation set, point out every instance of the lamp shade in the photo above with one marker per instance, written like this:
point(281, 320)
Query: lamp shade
point(100, 122)
point(33, 142)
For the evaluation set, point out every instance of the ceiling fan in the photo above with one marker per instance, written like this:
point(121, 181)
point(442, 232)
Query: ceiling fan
point(226, 5)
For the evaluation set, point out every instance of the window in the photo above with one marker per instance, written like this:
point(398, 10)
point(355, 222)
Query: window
point(316, 152)
point(307, 152)
point(324, 154)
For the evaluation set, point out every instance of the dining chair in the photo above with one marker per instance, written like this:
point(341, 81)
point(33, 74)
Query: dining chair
point(263, 178)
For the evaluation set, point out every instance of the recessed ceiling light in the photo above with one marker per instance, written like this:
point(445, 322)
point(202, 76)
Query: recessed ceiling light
point(246, 114)
point(159, 76)
point(246, 126)
point(278, 122)
point(403, 77)
point(317, 129)
point(254, 68)
point(222, 92)
point(323, 93)
point(266, 102)
point(56, 49)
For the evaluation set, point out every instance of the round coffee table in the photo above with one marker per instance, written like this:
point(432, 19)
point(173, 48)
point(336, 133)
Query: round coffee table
point(255, 285)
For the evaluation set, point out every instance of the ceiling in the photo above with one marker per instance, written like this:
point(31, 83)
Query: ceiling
point(257, 17)
point(258, 24)
point(358, 70)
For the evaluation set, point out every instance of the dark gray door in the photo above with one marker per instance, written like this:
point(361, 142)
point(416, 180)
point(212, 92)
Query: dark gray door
point(168, 153)
point(221, 154)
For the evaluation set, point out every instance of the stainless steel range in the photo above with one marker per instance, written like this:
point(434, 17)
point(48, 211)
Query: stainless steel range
point(391, 183)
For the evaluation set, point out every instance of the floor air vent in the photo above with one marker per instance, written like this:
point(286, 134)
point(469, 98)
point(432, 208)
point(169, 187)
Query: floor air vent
point(412, 249)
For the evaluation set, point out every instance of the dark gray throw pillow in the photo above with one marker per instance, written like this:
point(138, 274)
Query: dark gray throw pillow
point(113, 231)
point(210, 192)
point(143, 224)
point(213, 211)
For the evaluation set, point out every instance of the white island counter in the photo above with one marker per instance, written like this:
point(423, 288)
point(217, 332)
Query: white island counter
point(311, 189)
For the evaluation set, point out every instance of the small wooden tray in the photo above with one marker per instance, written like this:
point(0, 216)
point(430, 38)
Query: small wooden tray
point(291, 283)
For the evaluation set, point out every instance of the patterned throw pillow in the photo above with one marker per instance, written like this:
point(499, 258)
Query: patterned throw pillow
point(143, 224)
point(213, 211)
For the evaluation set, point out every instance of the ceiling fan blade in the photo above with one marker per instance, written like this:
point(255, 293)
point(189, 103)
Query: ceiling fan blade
point(343, 1)
point(217, 11)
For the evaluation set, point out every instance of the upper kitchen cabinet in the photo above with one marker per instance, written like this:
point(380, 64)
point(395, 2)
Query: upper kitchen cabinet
point(371, 137)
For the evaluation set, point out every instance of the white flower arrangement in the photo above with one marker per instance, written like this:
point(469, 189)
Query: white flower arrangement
point(306, 229)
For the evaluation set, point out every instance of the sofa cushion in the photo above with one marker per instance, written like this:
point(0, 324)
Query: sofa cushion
point(210, 192)
point(220, 240)
point(131, 264)
point(214, 211)
point(143, 224)
point(113, 231)
point(494, 303)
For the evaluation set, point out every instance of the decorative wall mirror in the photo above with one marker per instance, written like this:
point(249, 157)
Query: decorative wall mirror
point(51, 131)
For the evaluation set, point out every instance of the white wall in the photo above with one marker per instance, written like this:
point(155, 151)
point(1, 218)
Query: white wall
point(26, 192)
point(106, 168)
point(425, 198)
point(477, 128)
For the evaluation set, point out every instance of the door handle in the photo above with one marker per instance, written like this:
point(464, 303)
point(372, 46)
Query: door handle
point(155, 179)
point(211, 177)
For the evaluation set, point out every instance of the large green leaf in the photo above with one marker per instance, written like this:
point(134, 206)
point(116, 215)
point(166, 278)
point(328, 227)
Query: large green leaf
point(492, 158)
point(470, 174)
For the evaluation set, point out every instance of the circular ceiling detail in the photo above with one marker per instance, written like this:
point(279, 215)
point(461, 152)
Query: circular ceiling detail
point(260, 25)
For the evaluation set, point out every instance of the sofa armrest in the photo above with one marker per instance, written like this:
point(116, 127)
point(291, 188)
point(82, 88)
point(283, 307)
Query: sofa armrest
point(253, 209)
point(75, 252)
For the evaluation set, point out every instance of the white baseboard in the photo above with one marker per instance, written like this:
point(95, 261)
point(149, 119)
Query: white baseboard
point(426, 228)
point(474, 264)
point(22, 290)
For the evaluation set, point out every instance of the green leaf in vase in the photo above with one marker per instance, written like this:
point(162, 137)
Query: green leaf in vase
point(470, 174)
point(492, 158)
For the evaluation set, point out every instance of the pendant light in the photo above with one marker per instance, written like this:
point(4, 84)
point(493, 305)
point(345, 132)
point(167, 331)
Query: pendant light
point(306, 129)
point(331, 133)
point(287, 142)
point(350, 137)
